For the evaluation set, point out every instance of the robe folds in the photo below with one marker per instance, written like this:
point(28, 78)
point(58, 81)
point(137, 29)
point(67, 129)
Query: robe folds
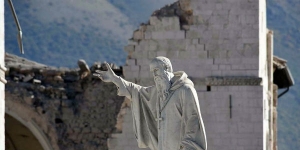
point(181, 126)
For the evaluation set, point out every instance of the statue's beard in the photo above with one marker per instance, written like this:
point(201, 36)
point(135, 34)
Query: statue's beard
point(162, 85)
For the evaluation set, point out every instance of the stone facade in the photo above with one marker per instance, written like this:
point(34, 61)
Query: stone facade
point(70, 108)
point(220, 45)
point(2, 78)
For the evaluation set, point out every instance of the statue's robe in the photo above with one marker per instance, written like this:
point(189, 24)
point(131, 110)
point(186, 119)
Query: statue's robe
point(181, 126)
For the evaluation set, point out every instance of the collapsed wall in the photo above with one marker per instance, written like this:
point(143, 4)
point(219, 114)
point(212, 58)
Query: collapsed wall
point(72, 108)
point(221, 45)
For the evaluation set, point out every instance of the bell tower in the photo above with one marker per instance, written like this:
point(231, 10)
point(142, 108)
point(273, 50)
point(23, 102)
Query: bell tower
point(222, 46)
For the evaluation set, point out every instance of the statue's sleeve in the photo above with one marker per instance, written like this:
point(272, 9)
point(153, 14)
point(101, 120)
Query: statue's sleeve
point(126, 88)
point(194, 137)
point(143, 119)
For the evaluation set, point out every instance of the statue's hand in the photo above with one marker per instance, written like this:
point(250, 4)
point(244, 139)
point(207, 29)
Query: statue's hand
point(106, 76)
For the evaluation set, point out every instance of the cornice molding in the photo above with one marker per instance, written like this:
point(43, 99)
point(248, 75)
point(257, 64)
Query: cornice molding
point(228, 81)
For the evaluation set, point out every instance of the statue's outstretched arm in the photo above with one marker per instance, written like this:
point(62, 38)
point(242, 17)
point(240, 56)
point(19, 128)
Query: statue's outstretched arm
point(125, 88)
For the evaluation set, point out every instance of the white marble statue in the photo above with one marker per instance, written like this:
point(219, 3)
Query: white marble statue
point(166, 115)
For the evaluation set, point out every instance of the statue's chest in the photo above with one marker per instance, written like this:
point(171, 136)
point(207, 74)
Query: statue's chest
point(172, 106)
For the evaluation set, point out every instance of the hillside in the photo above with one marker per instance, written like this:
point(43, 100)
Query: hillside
point(61, 32)
point(58, 33)
point(284, 19)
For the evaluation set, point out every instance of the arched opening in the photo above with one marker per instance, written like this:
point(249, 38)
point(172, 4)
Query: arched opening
point(18, 136)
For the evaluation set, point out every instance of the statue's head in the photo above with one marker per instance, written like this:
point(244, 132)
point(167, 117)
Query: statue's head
point(162, 71)
point(162, 63)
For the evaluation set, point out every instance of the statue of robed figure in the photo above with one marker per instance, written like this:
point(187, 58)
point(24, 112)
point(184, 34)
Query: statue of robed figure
point(166, 115)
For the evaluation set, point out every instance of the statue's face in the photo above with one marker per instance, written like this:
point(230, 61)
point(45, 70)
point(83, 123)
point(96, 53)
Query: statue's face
point(158, 71)
point(161, 79)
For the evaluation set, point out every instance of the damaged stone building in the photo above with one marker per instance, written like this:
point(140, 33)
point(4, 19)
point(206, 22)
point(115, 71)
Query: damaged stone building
point(224, 47)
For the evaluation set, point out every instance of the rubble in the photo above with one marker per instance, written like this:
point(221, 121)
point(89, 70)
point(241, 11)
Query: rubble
point(69, 99)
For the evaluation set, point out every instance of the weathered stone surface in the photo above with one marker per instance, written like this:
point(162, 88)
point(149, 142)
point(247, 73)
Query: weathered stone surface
point(180, 9)
point(82, 111)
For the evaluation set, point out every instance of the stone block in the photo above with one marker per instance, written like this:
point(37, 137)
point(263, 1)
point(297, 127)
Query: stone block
point(150, 28)
point(177, 44)
point(244, 142)
point(229, 46)
point(195, 41)
point(214, 67)
point(129, 48)
point(219, 6)
point(179, 34)
point(233, 73)
point(154, 20)
point(140, 47)
point(184, 54)
point(138, 35)
point(172, 54)
point(152, 45)
point(207, 6)
point(193, 34)
point(171, 23)
point(201, 54)
point(250, 61)
point(256, 117)
point(228, 61)
point(148, 35)
point(161, 53)
point(203, 41)
point(158, 35)
point(145, 74)
point(132, 42)
point(209, 61)
point(143, 62)
point(214, 47)
point(152, 54)
point(135, 68)
point(217, 27)
point(127, 72)
point(208, 34)
point(224, 67)
point(250, 40)
point(250, 67)
point(258, 127)
point(250, 33)
point(191, 47)
point(168, 35)
point(199, 27)
point(234, 19)
point(140, 54)
point(225, 54)
point(214, 54)
point(251, 19)
point(227, 6)
point(253, 73)
point(216, 73)
point(200, 47)
point(236, 54)
point(219, 19)
point(222, 128)
point(131, 62)
point(236, 11)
